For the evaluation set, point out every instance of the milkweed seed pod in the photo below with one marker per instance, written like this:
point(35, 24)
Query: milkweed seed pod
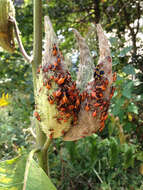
point(6, 26)
point(56, 93)
point(97, 93)
point(86, 66)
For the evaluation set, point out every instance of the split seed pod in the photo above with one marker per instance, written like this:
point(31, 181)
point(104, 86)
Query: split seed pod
point(6, 26)
point(56, 92)
point(97, 93)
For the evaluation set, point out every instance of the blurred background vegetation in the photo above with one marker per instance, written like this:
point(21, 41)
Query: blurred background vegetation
point(109, 160)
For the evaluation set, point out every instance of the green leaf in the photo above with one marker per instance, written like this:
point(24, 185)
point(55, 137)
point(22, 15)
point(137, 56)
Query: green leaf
point(113, 41)
point(36, 178)
point(139, 156)
point(128, 156)
point(127, 89)
point(133, 108)
point(12, 173)
point(129, 70)
point(113, 152)
point(124, 51)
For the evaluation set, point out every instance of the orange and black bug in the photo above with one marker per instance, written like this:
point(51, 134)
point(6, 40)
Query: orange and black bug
point(94, 114)
point(48, 86)
point(77, 102)
point(57, 93)
point(67, 115)
point(101, 107)
point(51, 136)
point(106, 116)
point(51, 77)
point(83, 96)
point(102, 87)
point(36, 114)
point(58, 59)
point(106, 82)
point(56, 79)
point(112, 92)
point(51, 99)
point(55, 64)
point(61, 81)
point(114, 76)
point(71, 107)
point(101, 126)
point(100, 95)
point(54, 52)
point(38, 70)
point(93, 94)
point(65, 99)
point(96, 104)
point(87, 108)
point(63, 132)
point(49, 67)
point(62, 109)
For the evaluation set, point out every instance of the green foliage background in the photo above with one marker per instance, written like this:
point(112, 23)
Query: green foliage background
point(108, 160)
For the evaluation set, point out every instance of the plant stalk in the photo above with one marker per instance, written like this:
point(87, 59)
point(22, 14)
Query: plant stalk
point(44, 152)
point(37, 59)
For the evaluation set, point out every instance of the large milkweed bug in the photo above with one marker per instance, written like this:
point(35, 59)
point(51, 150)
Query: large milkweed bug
point(48, 86)
point(87, 108)
point(93, 94)
point(67, 115)
point(54, 52)
point(94, 114)
point(57, 93)
point(65, 99)
point(50, 67)
point(36, 114)
point(51, 99)
point(55, 64)
point(61, 81)
point(96, 104)
point(112, 92)
point(77, 102)
point(71, 107)
point(51, 136)
point(101, 126)
point(114, 76)
point(58, 59)
point(38, 70)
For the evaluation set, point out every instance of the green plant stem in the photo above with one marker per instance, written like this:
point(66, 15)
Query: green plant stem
point(44, 152)
point(37, 47)
point(37, 58)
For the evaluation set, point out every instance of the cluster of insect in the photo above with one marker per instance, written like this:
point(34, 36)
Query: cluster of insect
point(67, 97)
point(96, 100)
